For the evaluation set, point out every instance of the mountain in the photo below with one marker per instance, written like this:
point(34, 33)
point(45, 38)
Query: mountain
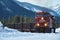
point(36, 8)
point(57, 8)
point(11, 8)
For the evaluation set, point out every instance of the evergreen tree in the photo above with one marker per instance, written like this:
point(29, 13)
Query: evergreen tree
point(16, 19)
point(9, 20)
point(21, 22)
point(3, 21)
point(21, 19)
point(31, 20)
point(56, 23)
point(26, 19)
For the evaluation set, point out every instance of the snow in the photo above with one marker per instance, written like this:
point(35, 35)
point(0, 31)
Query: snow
point(58, 30)
point(56, 8)
point(8, 9)
point(2, 3)
point(36, 10)
point(13, 34)
point(1, 26)
point(29, 36)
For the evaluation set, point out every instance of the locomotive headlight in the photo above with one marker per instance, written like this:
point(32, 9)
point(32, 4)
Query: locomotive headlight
point(37, 24)
point(42, 18)
point(45, 24)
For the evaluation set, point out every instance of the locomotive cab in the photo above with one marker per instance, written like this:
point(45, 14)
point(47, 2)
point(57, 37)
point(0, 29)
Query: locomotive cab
point(44, 22)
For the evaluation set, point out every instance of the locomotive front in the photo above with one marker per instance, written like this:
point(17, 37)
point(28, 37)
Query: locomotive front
point(42, 22)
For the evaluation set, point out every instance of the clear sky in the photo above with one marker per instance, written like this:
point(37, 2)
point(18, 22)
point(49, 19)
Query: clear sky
point(45, 3)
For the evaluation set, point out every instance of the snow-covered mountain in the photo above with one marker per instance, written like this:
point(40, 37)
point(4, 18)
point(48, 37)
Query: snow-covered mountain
point(35, 8)
point(57, 8)
point(28, 6)
point(11, 8)
point(32, 7)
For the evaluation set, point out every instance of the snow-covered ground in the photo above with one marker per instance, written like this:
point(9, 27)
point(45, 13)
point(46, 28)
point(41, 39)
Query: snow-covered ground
point(58, 30)
point(11, 34)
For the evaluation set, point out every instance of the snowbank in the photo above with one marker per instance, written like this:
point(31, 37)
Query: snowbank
point(6, 29)
point(30, 36)
point(58, 30)
point(1, 26)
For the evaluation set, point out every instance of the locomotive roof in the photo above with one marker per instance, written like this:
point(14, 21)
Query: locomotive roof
point(44, 13)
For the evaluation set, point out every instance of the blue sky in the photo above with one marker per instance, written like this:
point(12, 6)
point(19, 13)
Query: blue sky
point(45, 3)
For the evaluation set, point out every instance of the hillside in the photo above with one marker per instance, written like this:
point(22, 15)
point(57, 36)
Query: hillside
point(11, 8)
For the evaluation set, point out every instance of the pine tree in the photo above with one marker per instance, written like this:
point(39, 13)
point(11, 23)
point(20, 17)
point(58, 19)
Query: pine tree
point(56, 23)
point(27, 19)
point(3, 21)
point(21, 22)
point(9, 20)
point(16, 19)
point(31, 20)
point(21, 19)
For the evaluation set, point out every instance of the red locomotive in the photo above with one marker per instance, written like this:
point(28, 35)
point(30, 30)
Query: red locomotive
point(44, 22)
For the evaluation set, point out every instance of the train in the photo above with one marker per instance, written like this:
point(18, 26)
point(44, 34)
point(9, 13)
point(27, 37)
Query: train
point(43, 23)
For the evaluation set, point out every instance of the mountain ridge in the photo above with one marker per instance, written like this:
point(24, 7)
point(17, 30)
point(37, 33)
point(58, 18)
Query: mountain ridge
point(10, 8)
point(37, 8)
